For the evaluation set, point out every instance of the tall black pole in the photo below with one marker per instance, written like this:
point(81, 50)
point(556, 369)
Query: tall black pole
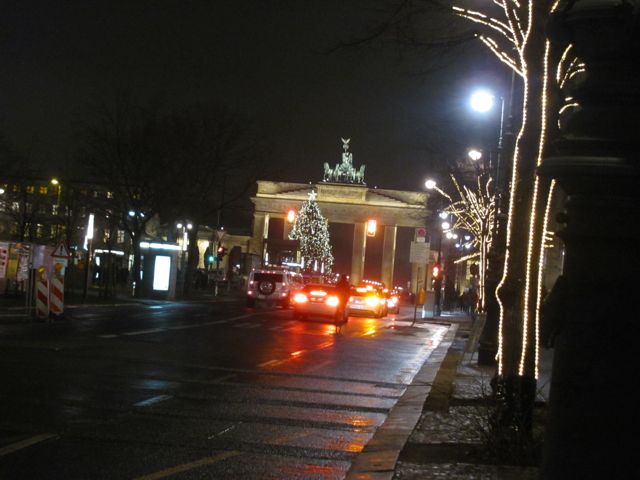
point(592, 308)
point(488, 343)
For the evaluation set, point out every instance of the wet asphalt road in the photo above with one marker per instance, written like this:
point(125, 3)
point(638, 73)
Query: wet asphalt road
point(199, 391)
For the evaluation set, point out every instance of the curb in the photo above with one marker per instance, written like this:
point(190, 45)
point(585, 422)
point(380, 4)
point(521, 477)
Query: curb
point(379, 457)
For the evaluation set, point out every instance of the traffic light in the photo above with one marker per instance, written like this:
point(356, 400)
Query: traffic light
point(436, 271)
point(222, 251)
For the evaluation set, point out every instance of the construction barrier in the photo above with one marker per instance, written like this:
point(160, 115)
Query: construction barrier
point(56, 293)
point(42, 294)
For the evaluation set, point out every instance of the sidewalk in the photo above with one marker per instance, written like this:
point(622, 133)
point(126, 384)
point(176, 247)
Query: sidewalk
point(437, 428)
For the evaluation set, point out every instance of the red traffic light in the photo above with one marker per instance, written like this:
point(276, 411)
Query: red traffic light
point(436, 271)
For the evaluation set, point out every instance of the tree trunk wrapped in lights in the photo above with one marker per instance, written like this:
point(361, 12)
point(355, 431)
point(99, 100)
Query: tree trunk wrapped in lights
point(312, 230)
point(514, 32)
point(473, 211)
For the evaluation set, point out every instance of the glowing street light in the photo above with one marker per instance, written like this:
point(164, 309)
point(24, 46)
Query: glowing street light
point(474, 154)
point(430, 184)
point(291, 216)
point(371, 227)
point(482, 101)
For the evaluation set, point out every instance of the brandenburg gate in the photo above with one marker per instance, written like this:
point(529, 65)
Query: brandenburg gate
point(343, 197)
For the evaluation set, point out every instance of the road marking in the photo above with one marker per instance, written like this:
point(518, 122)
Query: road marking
point(224, 377)
point(14, 447)
point(185, 467)
point(152, 400)
point(318, 366)
point(247, 325)
point(221, 432)
point(182, 327)
point(216, 322)
point(270, 362)
point(142, 332)
point(109, 335)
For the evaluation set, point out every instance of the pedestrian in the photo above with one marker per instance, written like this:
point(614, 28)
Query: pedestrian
point(344, 290)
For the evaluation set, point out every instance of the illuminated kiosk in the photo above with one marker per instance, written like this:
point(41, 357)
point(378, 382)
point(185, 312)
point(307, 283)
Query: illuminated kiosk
point(343, 197)
point(159, 269)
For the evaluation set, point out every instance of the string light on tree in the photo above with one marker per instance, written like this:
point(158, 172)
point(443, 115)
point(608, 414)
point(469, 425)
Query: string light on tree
point(312, 231)
point(513, 31)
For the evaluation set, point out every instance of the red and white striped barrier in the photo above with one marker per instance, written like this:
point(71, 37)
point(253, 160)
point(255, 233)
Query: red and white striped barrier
point(42, 297)
point(56, 295)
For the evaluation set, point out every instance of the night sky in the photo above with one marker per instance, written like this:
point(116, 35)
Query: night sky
point(268, 60)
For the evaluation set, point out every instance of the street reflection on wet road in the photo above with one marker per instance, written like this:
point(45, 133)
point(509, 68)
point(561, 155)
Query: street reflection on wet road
point(129, 392)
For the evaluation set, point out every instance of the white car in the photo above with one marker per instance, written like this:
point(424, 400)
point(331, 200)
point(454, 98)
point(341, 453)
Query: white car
point(272, 287)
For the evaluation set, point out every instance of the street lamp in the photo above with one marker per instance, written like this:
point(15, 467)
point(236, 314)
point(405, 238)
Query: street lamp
point(88, 242)
point(482, 101)
point(184, 228)
point(56, 183)
point(474, 154)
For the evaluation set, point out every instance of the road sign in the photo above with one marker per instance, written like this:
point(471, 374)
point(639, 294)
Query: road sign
point(61, 251)
point(419, 252)
point(220, 233)
point(421, 234)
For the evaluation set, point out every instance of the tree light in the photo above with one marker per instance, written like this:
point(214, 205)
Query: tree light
point(446, 225)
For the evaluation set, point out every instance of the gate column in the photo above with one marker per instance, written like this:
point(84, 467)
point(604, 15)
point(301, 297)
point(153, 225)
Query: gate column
point(359, 250)
point(260, 231)
point(388, 254)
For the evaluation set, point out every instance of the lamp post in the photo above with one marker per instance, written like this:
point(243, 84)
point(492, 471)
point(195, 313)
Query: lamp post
point(88, 245)
point(56, 183)
point(431, 184)
point(183, 228)
point(483, 101)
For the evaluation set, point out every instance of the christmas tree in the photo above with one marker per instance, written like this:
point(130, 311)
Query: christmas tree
point(312, 230)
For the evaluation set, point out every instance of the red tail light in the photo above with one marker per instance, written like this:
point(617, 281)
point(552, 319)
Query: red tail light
point(333, 301)
point(300, 298)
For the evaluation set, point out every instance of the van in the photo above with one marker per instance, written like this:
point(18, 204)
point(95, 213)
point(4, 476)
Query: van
point(273, 287)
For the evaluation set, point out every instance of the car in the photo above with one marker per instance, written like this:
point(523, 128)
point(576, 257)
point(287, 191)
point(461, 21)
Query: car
point(367, 300)
point(393, 301)
point(320, 301)
point(272, 286)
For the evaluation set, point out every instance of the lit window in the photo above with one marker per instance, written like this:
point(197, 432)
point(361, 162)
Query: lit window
point(30, 189)
point(54, 209)
point(16, 188)
point(95, 194)
point(43, 190)
point(15, 206)
point(120, 237)
point(109, 194)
